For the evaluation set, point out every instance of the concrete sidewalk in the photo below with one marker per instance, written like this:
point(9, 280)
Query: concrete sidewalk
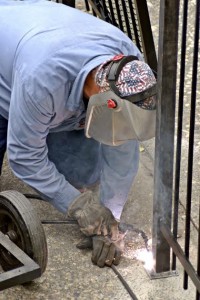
point(70, 273)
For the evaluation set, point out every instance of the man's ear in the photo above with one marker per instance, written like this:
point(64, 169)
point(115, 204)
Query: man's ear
point(90, 87)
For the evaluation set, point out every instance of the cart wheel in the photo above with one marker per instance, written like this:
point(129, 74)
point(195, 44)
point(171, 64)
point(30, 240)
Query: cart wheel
point(19, 221)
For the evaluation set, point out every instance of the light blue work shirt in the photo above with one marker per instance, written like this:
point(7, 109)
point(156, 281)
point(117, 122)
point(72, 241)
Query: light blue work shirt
point(47, 50)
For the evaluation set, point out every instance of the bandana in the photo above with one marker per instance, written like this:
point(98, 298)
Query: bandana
point(135, 77)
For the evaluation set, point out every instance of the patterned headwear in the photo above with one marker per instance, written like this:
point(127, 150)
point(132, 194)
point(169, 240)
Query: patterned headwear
point(135, 77)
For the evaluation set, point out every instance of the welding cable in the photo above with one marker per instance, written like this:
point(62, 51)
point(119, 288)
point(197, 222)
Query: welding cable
point(123, 281)
point(129, 226)
point(123, 227)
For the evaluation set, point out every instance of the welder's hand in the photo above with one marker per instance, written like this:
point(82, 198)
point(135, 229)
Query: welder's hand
point(106, 251)
point(92, 217)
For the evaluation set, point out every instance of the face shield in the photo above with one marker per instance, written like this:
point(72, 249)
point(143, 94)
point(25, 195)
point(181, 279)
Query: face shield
point(114, 120)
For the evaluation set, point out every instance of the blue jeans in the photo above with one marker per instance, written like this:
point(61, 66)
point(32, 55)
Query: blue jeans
point(3, 139)
point(75, 156)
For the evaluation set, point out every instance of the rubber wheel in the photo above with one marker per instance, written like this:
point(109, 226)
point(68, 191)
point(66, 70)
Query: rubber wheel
point(19, 221)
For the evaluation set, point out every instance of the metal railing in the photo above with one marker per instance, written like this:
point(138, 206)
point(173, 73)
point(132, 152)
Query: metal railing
point(174, 84)
point(132, 18)
point(177, 105)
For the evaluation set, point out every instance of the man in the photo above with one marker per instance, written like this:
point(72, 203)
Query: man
point(54, 65)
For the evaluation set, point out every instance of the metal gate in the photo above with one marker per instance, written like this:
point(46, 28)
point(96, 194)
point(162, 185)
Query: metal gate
point(177, 145)
point(132, 18)
point(177, 138)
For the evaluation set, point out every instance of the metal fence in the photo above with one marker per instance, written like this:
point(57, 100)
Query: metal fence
point(177, 138)
point(177, 143)
point(132, 18)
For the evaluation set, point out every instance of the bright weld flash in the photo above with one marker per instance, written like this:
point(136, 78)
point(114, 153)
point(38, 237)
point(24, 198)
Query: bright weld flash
point(146, 257)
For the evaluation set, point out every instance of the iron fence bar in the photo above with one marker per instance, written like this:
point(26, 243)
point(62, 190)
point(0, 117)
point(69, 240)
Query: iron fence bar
point(95, 8)
point(146, 33)
point(179, 128)
point(94, 13)
point(180, 254)
point(104, 5)
point(124, 15)
point(99, 9)
point(111, 12)
point(191, 138)
point(69, 2)
point(137, 38)
point(198, 257)
point(128, 30)
point(87, 5)
point(164, 143)
point(106, 12)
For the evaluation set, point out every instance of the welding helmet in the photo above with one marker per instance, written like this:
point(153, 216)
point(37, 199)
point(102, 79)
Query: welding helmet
point(125, 107)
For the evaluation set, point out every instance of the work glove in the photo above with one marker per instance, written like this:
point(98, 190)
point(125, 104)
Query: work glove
point(105, 251)
point(92, 217)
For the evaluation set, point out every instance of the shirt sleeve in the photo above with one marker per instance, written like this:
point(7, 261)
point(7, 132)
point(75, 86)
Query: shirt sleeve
point(119, 168)
point(28, 127)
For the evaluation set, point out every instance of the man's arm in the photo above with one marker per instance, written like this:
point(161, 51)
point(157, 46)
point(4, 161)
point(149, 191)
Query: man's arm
point(27, 150)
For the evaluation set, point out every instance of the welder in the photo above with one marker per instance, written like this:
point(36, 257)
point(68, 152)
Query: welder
point(76, 97)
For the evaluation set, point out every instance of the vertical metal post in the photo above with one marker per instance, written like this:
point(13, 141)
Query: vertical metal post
point(136, 38)
point(179, 127)
point(164, 148)
point(126, 20)
point(87, 5)
point(119, 18)
point(146, 33)
point(198, 258)
point(112, 12)
point(191, 137)
point(69, 2)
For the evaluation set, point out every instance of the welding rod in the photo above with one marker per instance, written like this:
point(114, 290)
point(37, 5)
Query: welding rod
point(59, 222)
